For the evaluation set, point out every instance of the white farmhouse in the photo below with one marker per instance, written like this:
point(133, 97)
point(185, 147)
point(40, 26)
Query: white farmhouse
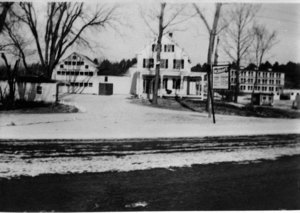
point(176, 78)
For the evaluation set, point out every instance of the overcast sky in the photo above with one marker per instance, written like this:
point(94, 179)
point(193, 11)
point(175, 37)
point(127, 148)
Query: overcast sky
point(132, 34)
point(282, 17)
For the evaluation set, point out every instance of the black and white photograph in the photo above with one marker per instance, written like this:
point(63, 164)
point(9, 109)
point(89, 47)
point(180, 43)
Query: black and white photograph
point(149, 105)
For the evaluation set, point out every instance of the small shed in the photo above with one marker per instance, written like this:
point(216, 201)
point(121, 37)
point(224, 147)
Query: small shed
point(263, 99)
point(32, 88)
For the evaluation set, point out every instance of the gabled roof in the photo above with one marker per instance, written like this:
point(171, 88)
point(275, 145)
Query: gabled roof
point(172, 41)
point(86, 58)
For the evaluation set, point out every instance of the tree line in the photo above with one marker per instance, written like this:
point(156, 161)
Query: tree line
point(234, 30)
point(290, 69)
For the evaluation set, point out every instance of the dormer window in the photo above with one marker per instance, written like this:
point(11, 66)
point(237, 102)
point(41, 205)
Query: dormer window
point(61, 66)
point(86, 66)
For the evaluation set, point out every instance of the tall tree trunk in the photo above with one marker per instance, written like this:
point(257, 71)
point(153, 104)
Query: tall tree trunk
point(158, 51)
point(212, 36)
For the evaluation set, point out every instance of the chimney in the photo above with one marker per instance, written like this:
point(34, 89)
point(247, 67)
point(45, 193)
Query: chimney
point(171, 35)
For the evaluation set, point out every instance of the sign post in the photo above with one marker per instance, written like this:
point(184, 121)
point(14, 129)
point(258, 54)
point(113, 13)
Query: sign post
point(221, 76)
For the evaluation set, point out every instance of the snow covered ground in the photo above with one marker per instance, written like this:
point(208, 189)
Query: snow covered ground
point(116, 117)
point(27, 160)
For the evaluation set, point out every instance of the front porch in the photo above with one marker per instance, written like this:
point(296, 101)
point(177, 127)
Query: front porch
point(174, 86)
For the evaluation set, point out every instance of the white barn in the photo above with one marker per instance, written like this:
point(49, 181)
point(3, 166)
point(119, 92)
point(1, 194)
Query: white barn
point(80, 75)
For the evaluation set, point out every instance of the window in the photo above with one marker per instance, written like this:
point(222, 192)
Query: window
point(76, 73)
point(164, 63)
point(86, 66)
point(74, 57)
point(105, 79)
point(81, 84)
point(76, 84)
point(178, 64)
point(176, 83)
point(78, 63)
point(74, 63)
point(67, 73)
point(63, 73)
point(61, 66)
point(85, 84)
point(148, 63)
point(91, 73)
point(86, 73)
point(90, 84)
point(81, 73)
point(154, 47)
point(169, 48)
point(58, 72)
point(38, 90)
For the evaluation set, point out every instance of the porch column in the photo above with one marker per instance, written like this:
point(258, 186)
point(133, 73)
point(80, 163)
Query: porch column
point(161, 85)
point(188, 86)
point(181, 86)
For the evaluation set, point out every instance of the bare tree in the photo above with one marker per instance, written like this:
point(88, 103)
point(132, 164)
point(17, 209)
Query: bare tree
point(237, 38)
point(16, 43)
point(168, 18)
point(263, 42)
point(65, 25)
point(213, 31)
point(4, 7)
point(11, 76)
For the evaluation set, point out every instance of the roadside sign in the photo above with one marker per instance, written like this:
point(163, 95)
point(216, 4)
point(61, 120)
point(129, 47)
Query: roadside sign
point(221, 77)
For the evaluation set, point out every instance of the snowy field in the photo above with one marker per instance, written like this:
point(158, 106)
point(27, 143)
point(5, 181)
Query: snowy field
point(33, 159)
point(117, 117)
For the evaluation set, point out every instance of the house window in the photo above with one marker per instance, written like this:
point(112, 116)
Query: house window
point(76, 73)
point(90, 84)
point(178, 64)
point(61, 66)
point(86, 66)
point(67, 73)
point(58, 72)
point(85, 84)
point(148, 63)
point(154, 47)
point(74, 63)
point(176, 83)
point(39, 90)
point(74, 57)
point(63, 73)
point(86, 73)
point(78, 63)
point(81, 73)
point(105, 79)
point(164, 63)
point(169, 48)
point(91, 73)
point(81, 84)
